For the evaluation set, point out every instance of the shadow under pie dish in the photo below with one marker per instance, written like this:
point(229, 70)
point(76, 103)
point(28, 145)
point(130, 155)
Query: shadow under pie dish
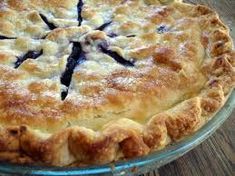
point(92, 82)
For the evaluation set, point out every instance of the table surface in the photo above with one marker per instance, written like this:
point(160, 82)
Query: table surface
point(215, 156)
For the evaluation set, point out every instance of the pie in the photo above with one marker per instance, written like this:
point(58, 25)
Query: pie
point(85, 82)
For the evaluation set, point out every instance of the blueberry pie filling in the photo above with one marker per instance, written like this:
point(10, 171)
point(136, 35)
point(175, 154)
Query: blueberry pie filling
point(76, 57)
point(6, 38)
point(79, 10)
point(103, 26)
point(104, 48)
point(28, 55)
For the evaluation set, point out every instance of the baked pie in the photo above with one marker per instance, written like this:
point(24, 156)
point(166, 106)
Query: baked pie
point(86, 82)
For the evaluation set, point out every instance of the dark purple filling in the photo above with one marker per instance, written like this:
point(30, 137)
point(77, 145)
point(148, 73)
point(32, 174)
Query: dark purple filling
point(104, 48)
point(44, 37)
point(79, 11)
point(129, 36)
point(103, 26)
point(28, 55)
point(76, 57)
point(50, 25)
point(162, 29)
point(2, 37)
point(112, 35)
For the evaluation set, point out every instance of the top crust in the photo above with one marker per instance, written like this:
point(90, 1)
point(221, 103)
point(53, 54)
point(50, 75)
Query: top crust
point(139, 81)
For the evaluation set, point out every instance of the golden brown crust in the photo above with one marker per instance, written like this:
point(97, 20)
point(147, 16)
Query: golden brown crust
point(112, 112)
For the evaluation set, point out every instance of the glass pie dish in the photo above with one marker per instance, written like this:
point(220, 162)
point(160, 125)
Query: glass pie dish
point(142, 164)
point(138, 165)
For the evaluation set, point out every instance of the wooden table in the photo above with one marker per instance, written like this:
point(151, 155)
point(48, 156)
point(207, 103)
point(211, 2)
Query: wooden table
point(215, 156)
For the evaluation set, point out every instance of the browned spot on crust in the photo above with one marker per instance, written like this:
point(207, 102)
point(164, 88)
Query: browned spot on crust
point(185, 122)
point(156, 132)
point(39, 87)
point(205, 40)
point(133, 147)
point(219, 48)
point(167, 56)
point(143, 53)
point(203, 10)
point(160, 14)
point(9, 139)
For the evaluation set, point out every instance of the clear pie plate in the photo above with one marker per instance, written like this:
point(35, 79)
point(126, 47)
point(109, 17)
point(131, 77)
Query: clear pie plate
point(138, 165)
